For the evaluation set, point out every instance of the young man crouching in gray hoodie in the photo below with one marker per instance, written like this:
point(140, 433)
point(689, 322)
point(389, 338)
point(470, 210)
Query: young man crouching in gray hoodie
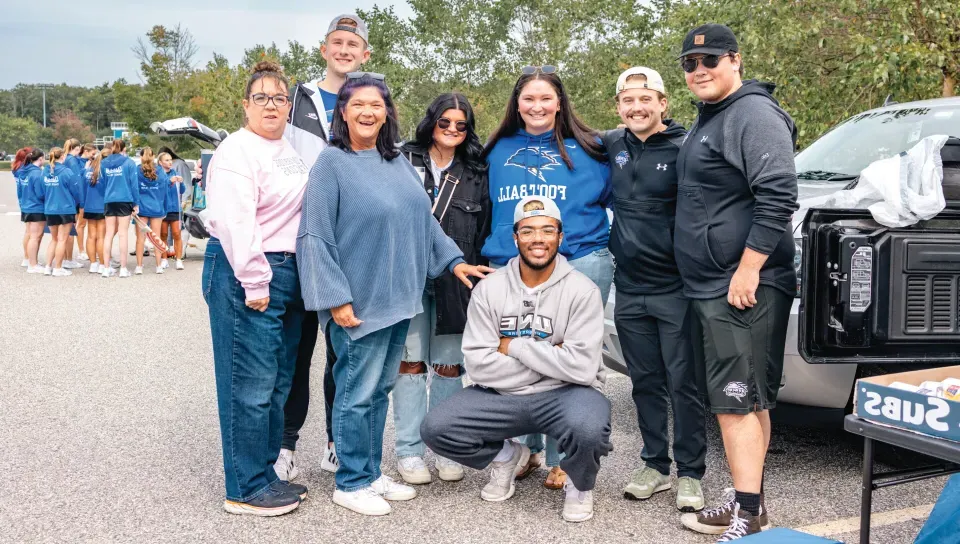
point(532, 348)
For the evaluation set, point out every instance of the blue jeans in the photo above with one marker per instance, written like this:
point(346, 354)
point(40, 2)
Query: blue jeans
point(410, 394)
point(598, 266)
point(365, 373)
point(254, 355)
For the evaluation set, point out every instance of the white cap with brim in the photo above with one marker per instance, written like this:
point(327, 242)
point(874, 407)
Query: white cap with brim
point(359, 30)
point(547, 208)
point(654, 82)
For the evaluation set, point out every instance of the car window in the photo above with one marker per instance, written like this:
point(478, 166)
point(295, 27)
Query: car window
point(871, 136)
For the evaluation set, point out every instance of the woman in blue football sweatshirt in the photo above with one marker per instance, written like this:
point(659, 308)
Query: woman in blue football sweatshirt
point(61, 196)
point(542, 148)
point(31, 206)
point(19, 161)
point(121, 199)
point(72, 149)
point(93, 207)
point(152, 182)
point(171, 205)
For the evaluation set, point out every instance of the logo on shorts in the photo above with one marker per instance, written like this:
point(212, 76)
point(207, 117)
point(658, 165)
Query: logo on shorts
point(622, 158)
point(737, 390)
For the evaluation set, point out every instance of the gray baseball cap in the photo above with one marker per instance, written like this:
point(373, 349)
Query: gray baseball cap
point(535, 206)
point(359, 30)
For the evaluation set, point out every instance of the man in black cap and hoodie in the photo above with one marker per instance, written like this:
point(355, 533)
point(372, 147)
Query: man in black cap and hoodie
point(737, 192)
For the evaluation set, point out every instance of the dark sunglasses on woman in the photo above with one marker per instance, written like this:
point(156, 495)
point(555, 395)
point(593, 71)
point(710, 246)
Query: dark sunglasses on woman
point(545, 69)
point(371, 75)
point(710, 62)
point(444, 124)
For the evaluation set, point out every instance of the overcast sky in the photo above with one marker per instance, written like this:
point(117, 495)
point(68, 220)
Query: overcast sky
point(89, 43)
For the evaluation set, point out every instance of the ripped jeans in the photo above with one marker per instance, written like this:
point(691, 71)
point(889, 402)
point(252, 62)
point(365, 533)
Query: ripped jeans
point(411, 394)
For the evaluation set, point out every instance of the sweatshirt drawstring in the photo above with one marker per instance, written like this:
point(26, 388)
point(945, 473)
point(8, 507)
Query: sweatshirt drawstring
point(536, 310)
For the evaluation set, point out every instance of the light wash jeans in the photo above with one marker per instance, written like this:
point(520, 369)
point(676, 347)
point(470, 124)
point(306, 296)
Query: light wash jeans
point(410, 399)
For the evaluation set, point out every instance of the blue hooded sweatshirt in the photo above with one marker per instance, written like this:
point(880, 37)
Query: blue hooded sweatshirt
point(171, 198)
point(75, 164)
point(93, 194)
point(119, 174)
point(18, 178)
point(31, 189)
point(61, 190)
point(522, 165)
point(152, 193)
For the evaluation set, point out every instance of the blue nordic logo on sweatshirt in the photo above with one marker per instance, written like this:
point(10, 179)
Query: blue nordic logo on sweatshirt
point(543, 159)
point(622, 158)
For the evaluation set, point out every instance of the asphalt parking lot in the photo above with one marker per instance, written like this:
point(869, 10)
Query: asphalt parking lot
point(109, 421)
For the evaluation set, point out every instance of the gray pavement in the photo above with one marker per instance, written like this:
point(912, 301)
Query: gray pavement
point(110, 433)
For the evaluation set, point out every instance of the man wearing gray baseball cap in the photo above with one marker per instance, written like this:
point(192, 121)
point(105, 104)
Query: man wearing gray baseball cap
point(532, 348)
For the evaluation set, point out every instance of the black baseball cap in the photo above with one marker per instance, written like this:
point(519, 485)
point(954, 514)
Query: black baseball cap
point(710, 39)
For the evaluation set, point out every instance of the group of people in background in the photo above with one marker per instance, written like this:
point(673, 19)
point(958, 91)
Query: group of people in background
point(320, 220)
point(84, 197)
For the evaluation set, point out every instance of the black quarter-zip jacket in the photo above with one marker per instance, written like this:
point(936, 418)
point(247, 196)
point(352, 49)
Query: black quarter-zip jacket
point(644, 176)
point(737, 189)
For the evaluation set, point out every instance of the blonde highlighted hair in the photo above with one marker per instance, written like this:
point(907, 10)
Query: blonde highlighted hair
point(147, 165)
point(55, 155)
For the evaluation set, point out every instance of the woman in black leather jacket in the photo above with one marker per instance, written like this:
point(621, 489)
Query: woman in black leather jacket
point(446, 154)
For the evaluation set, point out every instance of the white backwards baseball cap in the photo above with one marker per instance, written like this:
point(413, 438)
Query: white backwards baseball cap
point(528, 207)
point(654, 82)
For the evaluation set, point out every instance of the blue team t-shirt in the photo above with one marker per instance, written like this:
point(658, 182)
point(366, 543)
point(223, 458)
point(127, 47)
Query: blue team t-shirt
point(329, 103)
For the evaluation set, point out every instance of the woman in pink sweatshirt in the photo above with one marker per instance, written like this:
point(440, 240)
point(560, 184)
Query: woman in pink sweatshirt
point(251, 285)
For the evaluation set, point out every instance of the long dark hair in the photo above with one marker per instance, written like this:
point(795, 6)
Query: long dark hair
point(568, 125)
point(390, 131)
point(168, 151)
point(470, 151)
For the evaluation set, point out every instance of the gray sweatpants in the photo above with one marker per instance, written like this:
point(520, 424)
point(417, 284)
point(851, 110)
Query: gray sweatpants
point(470, 427)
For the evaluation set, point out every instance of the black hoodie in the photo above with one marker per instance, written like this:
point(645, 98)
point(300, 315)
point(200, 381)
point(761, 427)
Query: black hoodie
point(303, 112)
point(737, 189)
point(644, 178)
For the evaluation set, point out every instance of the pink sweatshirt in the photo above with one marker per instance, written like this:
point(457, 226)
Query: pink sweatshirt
point(254, 192)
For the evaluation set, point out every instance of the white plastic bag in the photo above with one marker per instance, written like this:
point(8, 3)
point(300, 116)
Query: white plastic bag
point(901, 190)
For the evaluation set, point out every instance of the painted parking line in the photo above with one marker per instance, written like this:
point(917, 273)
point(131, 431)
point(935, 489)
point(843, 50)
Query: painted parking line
point(878, 519)
point(11, 213)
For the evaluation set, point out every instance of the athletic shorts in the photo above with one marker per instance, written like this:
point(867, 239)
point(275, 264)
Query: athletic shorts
point(54, 220)
point(172, 217)
point(92, 216)
point(32, 217)
point(743, 350)
point(118, 209)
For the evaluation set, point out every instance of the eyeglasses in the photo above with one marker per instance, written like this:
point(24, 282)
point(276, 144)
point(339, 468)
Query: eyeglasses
point(709, 62)
point(371, 75)
point(444, 124)
point(262, 99)
point(529, 233)
point(545, 69)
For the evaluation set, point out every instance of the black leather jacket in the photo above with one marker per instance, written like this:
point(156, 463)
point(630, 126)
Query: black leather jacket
point(466, 221)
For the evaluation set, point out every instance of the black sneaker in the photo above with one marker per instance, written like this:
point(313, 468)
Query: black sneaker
point(272, 502)
point(296, 489)
point(742, 523)
point(716, 520)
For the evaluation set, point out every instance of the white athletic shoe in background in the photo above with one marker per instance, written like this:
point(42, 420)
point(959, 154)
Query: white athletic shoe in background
point(286, 465)
point(164, 264)
point(36, 269)
point(48, 271)
point(159, 270)
point(25, 263)
point(138, 271)
point(124, 273)
point(107, 272)
point(72, 265)
point(114, 263)
point(83, 257)
point(61, 272)
point(179, 264)
point(94, 267)
point(330, 463)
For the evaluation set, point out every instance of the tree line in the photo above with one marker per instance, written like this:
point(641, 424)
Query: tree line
point(830, 59)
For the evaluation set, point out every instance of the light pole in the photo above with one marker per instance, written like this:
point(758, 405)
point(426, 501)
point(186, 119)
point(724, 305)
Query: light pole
point(44, 87)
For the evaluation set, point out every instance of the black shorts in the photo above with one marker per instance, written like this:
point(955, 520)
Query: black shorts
point(92, 216)
point(172, 217)
point(32, 217)
point(743, 350)
point(54, 220)
point(118, 209)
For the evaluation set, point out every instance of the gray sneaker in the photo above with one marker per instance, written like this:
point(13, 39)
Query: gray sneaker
point(644, 483)
point(689, 495)
point(577, 505)
point(503, 475)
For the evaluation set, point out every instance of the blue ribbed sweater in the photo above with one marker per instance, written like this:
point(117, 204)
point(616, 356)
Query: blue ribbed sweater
point(367, 237)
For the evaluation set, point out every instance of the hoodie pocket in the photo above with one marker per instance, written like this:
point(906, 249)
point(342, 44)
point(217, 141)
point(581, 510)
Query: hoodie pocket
point(697, 250)
point(642, 236)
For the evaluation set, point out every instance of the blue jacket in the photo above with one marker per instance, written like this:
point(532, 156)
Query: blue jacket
point(19, 178)
point(522, 165)
point(152, 193)
point(31, 189)
point(61, 191)
point(93, 194)
point(171, 198)
point(119, 174)
point(75, 164)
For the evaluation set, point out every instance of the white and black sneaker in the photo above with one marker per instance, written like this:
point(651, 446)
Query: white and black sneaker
point(330, 463)
point(286, 465)
point(742, 523)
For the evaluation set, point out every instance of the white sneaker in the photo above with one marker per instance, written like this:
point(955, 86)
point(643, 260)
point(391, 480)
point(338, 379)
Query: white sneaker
point(61, 272)
point(330, 462)
point(114, 263)
point(124, 273)
point(72, 265)
point(391, 490)
point(577, 505)
point(286, 465)
point(48, 271)
point(94, 267)
point(449, 471)
point(159, 270)
point(364, 501)
point(36, 270)
point(107, 272)
point(138, 271)
point(25, 263)
point(83, 257)
point(503, 475)
point(164, 264)
point(413, 470)
point(179, 265)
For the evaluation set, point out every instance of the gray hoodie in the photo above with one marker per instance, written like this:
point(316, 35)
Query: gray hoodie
point(566, 309)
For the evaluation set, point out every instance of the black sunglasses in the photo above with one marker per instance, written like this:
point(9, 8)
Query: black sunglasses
point(444, 124)
point(371, 75)
point(710, 62)
point(545, 69)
